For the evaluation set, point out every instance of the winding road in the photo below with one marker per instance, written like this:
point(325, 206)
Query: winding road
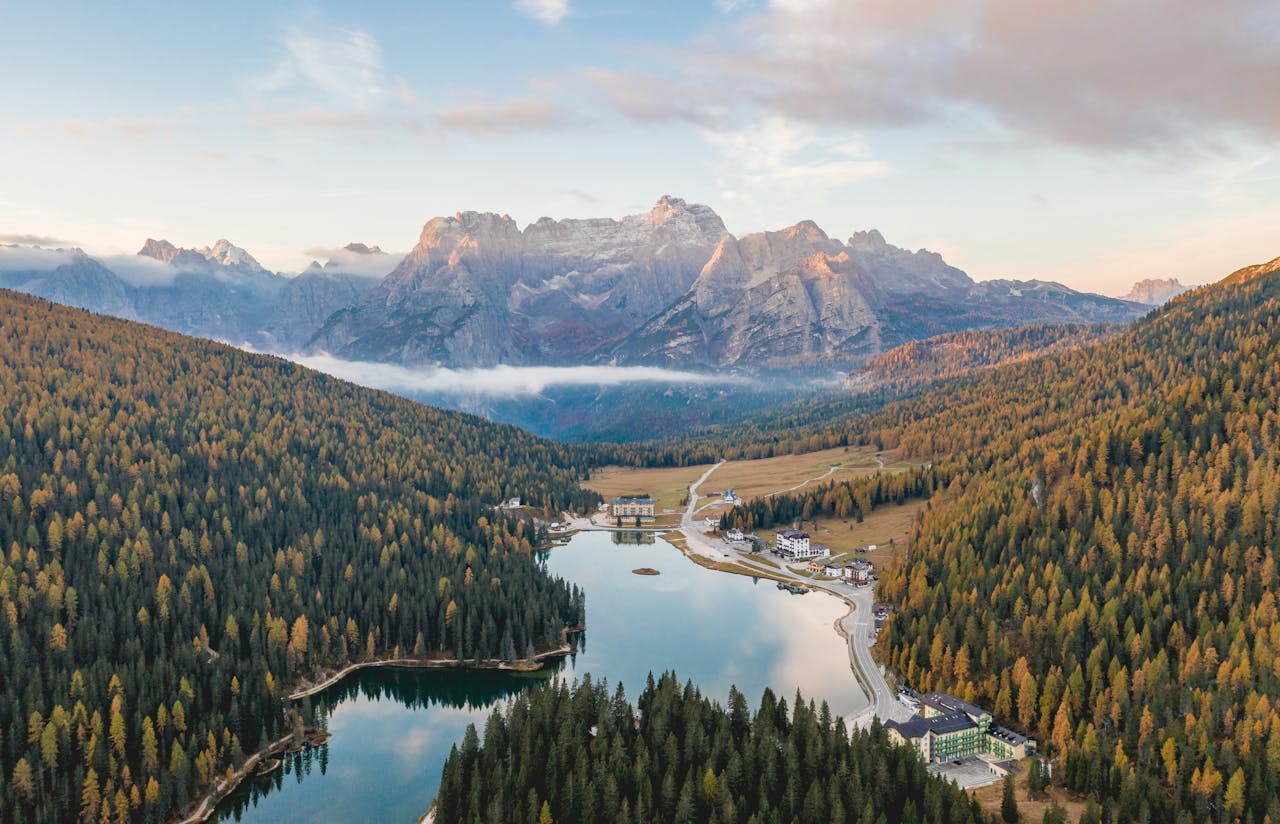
point(880, 700)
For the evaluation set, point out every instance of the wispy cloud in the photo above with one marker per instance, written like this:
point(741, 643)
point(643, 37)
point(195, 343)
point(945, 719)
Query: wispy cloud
point(25, 258)
point(581, 196)
point(1123, 75)
point(34, 240)
point(549, 12)
point(345, 64)
point(370, 264)
point(501, 381)
point(517, 115)
point(140, 270)
point(780, 152)
point(653, 98)
point(319, 118)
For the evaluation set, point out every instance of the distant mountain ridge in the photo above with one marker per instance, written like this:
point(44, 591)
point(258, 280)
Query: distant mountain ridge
point(668, 287)
point(673, 287)
point(1155, 291)
point(220, 291)
point(477, 290)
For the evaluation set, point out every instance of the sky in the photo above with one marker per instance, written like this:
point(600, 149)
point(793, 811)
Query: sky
point(1093, 142)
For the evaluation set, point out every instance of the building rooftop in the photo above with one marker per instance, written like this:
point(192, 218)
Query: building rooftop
point(1007, 735)
point(793, 534)
point(944, 703)
point(917, 726)
point(633, 499)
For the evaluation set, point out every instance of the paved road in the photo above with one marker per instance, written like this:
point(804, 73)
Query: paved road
point(881, 701)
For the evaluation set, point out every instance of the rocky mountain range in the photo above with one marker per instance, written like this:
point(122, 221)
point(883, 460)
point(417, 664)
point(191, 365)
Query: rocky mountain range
point(478, 291)
point(673, 287)
point(219, 291)
point(1155, 291)
point(668, 287)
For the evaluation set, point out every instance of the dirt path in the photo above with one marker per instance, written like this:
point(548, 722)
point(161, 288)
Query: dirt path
point(222, 788)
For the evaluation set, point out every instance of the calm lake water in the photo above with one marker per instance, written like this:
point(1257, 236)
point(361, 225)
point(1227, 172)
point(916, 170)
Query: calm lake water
point(392, 729)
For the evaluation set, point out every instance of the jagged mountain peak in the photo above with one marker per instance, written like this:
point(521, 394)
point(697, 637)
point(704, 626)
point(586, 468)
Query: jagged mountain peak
point(806, 230)
point(225, 253)
point(674, 210)
point(161, 250)
point(447, 230)
point(869, 239)
point(666, 208)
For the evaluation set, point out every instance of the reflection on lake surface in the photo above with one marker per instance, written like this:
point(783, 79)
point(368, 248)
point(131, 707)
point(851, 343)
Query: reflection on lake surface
point(392, 729)
point(632, 537)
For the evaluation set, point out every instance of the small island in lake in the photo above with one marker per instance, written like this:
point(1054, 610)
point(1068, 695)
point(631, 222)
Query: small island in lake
point(646, 571)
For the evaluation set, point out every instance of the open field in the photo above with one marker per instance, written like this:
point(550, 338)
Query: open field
point(989, 798)
point(768, 476)
point(885, 523)
point(749, 479)
point(667, 485)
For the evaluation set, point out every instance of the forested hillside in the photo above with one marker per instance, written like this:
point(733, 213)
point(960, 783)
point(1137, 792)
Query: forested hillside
point(580, 755)
point(1106, 571)
point(188, 529)
point(1102, 571)
point(924, 361)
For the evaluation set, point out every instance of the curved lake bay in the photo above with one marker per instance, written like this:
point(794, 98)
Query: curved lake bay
point(392, 729)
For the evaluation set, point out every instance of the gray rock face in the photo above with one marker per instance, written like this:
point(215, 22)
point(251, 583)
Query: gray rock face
point(796, 296)
point(218, 292)
point(1155, 291)
point(307, 301)
point(82, 282)
point(478, 291)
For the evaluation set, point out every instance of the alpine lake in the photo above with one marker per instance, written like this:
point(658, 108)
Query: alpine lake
point(392, 729)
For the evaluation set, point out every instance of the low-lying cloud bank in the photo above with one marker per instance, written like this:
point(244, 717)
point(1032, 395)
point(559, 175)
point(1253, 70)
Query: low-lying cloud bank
point(498, 381)
point(32, 259)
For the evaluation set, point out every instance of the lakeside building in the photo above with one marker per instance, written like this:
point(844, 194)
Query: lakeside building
point(633, 506)
point(796, 546)
point(830, 569)
point(858, 572)
point(734, 536)
point(792, 542)
point(949, 728)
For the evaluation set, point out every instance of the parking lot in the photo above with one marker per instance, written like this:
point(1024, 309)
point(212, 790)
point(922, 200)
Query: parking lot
point(969, 773)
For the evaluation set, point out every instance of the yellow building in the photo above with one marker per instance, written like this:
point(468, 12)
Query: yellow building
point(633, 506)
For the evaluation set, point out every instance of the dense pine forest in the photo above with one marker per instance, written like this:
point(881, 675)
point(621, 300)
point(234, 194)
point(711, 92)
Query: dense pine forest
point(1105, 572)
point(188, 530)
point(1101, 569)
point(582, 754)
